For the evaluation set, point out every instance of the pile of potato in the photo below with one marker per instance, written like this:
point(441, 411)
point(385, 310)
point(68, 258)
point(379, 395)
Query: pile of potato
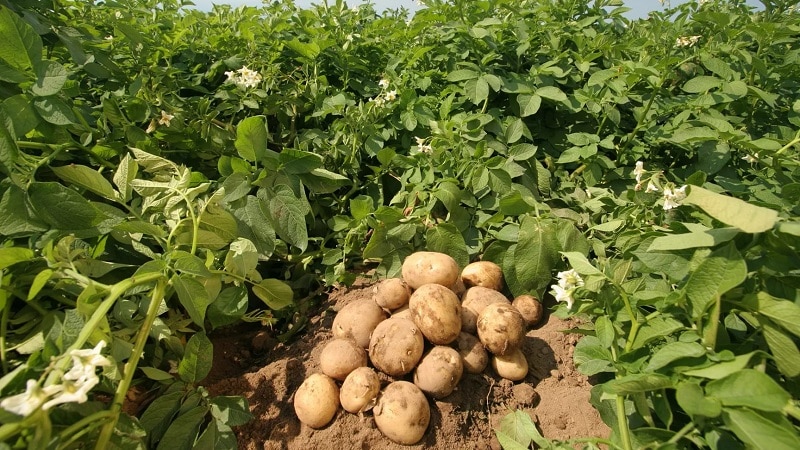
point(461, 315)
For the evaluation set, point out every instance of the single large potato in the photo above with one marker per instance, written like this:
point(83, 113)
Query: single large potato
point(531, 309)
point(473, 354)
point(437, 312)
point(430, 267)
point(483, 273)
point(340, 357)
point(473, 302)
point(359, 390)
point(501, 328)
point(392, 293)
point(402, 413)
point(357, 320)
point(316, 400)
point(513, 366)
point(396, 346)
point(439, 371)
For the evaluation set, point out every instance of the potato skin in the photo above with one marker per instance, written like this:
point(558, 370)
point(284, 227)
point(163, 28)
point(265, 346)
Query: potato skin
point(356, 321)
point(513, 366)
point(392, 293)
point(501, 328)
point(402, 313)
point(437, 312)
point(439, 371)
point(430, 267)
point(402, 413)
point(359, 390)
point(473, 356)
point(531, 309)
point(396, 346)
point(316, 400)
point(483, 273)
point(473, 302)
point(340, 357)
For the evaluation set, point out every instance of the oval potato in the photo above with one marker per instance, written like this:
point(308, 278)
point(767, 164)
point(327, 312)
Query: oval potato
point(439, 371)
point(501, 328)
point(316, 400)
point(396, 346)
point(483, 273)
point(513, 366)
point(430, 267)
point(531, 309)
point(473, 354)
point(473, 302)
point(437, 312)
point(357, 319)
point(359, 390)
point(392, 293)
point(340, 357)
point(402, 413)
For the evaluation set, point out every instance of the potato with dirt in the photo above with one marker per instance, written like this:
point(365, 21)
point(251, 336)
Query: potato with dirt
point(437, 312)
point(356, 321)
point(359, 390)
point(430, 267)
point(501, 328)
point(316, 400)
point(473, 355)
point(483, 273)
point(513, 366)
point(391, 293)
point(439, 372)
point(340, 356)
point(531, 309)
point(473, 302)
point(402, 413)
point(396, 346)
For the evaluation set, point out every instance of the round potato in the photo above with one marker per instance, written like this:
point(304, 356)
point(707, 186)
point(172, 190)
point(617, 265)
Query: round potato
point(473, 355)
point(359, 390)
point(391, 293)
point(513, 366)
point(402, 413)
point(439, 371)
point(402, 313)
point(316, 400)
point(396, 346)
point(501, 328)
point(473, 302)
point(429, 267)
point(531, 309)
point(483, 273)
point(437, 312)
point(340, 357)
point(357, 320)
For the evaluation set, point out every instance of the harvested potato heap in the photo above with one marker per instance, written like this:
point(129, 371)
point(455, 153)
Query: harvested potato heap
point(463, 317)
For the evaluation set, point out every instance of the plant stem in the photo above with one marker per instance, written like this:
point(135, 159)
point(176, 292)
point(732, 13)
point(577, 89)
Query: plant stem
point(3, 330)
point(622, 423)
point(796, 140)
point(83, 426)
point(681, 433)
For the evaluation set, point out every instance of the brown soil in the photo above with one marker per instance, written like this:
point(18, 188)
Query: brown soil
point(249, 362)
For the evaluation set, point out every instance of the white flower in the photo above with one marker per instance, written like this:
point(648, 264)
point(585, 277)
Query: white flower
point(752, 159)
point(27, 402)
point(569, 279)
point(384, 83)
point(686, 41)
point(651, 187)
point(379, 101)
point(165, 119)
point(109, 38)
point(231, 76)
point(420, 141)
point(139, 47)
point(390, 96)
point(673, 198)
point(243, 77)
point(73, 391)
point(118, 15)
point(638, 171)
point(563, 295)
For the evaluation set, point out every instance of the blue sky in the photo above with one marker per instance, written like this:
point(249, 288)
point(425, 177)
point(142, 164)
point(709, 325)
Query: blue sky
point(639, 8)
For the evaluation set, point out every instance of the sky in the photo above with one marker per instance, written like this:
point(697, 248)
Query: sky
point(639, 8)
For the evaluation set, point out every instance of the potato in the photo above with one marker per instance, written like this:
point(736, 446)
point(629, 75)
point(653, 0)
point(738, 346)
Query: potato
point(513, 366)
point(458, 288)
point(359, 390)
point(429, 267)
point(391, 293)
point(501, 328)
point(483, 273)
point(437, 312)
point(473, 302)
point(439, 371)
point(402, 413)
point(530, 308)
point(357, 320)
point(403, 313)
point(340, 357)
point(396, 346)
point(316, 400)
point(473, 355)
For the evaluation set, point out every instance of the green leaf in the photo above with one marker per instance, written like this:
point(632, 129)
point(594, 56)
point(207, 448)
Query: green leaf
point(581, 265)
point(720, 272)
point(477, 90)
point(183, 431)
point(157, 417)
point(22, 47)
point(229, 306)
point(197, 359)
point(19, 109)
point(732, 211)
point(604, 330)
point(288, 216)
point(750, 388)
point(361, 206)
point(656, 328)
point(536, 254)
point(552, 93)
point(297, 161)
point(724, 368)
point(758, 432)
point(156, 374)
point(274, 293)
point(39, 282)
point(637, 382)
point(674, 351)
point(9, 152)
point(306, 50)
point(12, 255)
point(126, 172)
point(701, 83)
point(193, 296)
point(691, 398)
point(514, 131)
point(682, 241)
point(51, 77)
point(592, 356)
point(323, 181)
point(62, 208)
point(529, 104)
point(251, 138)
point(233, 411)
point(86, 178)
point(782, 312)
point(242, 258)
point(782, 347)
point(461, 75)
point(54, 110)
point(256, 217)
point(445, 238)
point(517, 430)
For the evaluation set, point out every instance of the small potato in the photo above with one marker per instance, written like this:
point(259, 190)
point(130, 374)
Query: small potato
point(501, 328)
point(513, 366)
point(458, 288)
point(483, 273)
point(530, 308)
point(340, 357)
point(392, 293)
point(359, 390)
point(316, 400)
point(429, 267)
point(473, 355)
point(402, 313)
point(357, 320)
point(396, 346)
point(402, 413)
point(437, 312)
point(439, 372)
point(473, 302)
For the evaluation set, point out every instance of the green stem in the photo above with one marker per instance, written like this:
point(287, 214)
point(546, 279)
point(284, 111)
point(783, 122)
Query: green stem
point(83, 426)
point(639, 123)
point(3, 331)
point(792, 410)
point(622, 423)
point(796, 140)
point(681, 433)
point(634, 320)
point(130, 366)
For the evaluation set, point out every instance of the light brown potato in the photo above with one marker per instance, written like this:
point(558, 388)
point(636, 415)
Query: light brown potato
point(513, 366)
point(439, 371)
point(359, 390)
point(483, 273)
point(396, 346)
point(430, 267)
point(437, 312)
point(473, 302)
point(402, 313)
point(391, 293)
point(402, 413)
point(501, 328)
point(357, 320)
point(458, 288)
point(531, 309)
point(473, 355)
point(316, 400)
point(340, 357)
